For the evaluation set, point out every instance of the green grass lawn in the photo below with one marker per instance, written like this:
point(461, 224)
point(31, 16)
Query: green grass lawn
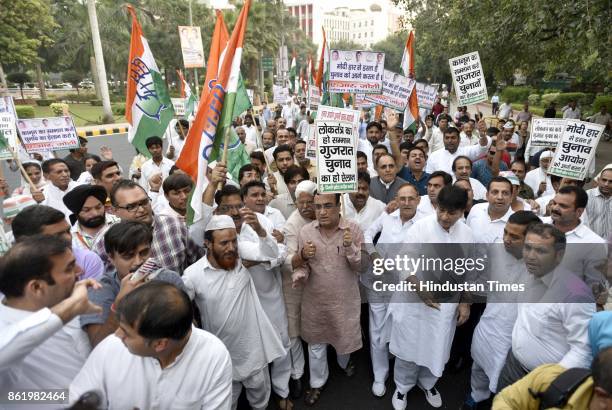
point(82, 114)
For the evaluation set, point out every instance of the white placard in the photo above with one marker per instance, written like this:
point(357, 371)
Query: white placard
point(7, 125)
point(314, 96)
point(179, 106)
point(576, 149)
point(426, 95)
point(191, 46)
point(361, 102)
point(281, 94)
point(356, 71)
point(311, 143)
point(396, 91)
point(468, 78)
point(546, 132)
point(337, 132)
point(48, 134)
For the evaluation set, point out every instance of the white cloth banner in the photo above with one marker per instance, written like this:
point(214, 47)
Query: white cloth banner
point(426, 95)
point(48, 134)
point(396, 91)
point(191, 46)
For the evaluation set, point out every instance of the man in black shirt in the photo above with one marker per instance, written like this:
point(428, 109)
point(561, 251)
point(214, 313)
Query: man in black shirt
point(76, 159)
point(550, 111)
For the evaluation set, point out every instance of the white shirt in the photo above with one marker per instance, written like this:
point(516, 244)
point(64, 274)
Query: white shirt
point(366, 147)
point(275, 216)
point(436, 140)
point(251, 134)
point(391, 228)
point(54, 197)
point(128, 381)
point(150, 168)
point(442, 160)
point(425, 206)
point(505, 110)
point(489, 231)
point(585, 253)
point(289, 113)
point(553, 332)
point(367, 215)
point(479, 190)
point(570, 113)
point(467, 141)
point(37, 351)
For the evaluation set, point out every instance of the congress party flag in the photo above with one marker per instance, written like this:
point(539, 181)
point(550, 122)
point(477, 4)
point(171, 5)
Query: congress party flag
point(412, 110)
point(148, 108)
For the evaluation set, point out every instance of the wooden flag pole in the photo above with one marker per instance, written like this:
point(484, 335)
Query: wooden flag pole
point(22, 169)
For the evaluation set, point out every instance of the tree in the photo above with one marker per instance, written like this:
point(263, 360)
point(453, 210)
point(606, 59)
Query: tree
point(73, 77)
point(345, 45)
point(20, 78)
point(393, 47)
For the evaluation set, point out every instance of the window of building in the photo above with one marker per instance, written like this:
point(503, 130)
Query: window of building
point(372, 34)
point(372, 22)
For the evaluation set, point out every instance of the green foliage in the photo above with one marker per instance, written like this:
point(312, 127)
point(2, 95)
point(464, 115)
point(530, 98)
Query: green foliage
point(548, 98)
point(516, 94)
point(73, 77)
point(602, 100)
point(345, 45)
point(562, 99)
point(19, 78)
point(96, 103)
point(44, 103)
point(534, 99)
point(536, 37)
point(58, 108)
point(24, 111)
point(118, 109)
point(76, 97)
point(24, 27)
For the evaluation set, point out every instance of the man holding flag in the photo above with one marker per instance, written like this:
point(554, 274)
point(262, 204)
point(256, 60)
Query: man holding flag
point(411, 115)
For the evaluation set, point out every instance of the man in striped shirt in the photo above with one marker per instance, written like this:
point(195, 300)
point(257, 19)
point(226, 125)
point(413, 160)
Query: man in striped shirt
point(599, 207)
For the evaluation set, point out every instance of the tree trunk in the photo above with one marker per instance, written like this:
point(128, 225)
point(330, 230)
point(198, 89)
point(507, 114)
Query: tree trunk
point(94, 76)
point(3, 84)
point(107, 115)
point(41, 82)
point(21, 91)
point(77, 87)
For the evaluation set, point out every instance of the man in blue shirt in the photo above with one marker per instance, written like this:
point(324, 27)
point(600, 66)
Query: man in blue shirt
point(485, 169)
point(414, 171)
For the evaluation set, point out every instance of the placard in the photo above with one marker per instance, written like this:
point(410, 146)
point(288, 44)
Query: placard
point(426, 95)
point(546, 132)
point(48, 134)
point(356, 71)
point(311, 143)
point(250, 94)
point(7, 125)
point(576, 149)
point(314, 96)
point(468, 78)
point(395, 93)
point(179, 106)
point(281, 94)
point(191, 46)
point(361, 102)
point(337, 132)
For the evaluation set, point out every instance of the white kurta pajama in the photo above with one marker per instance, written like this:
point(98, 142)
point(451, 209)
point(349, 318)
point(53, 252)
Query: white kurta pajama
point(410, 325)
point(231, 310)
point(54, 197)
point(536, 176)
point(268, 284)
point(392, 231)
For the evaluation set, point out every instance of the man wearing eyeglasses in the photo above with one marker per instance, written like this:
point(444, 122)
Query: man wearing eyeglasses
point(172, 247)
point(331, 248)
point(485, 169)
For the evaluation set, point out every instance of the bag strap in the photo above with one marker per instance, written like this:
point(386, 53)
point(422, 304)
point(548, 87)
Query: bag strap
point(562, 388)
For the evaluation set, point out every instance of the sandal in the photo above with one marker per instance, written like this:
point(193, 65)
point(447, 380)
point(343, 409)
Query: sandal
point(312, 396)
point(285, 404)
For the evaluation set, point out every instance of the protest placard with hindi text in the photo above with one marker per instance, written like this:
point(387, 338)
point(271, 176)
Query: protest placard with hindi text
point(361, 102)
point(48, 134)
point(426, 95)
point(7, 125)
point(281, 94)
point(546, 132)
point(337, 131)
point(311, 143)
point(576, 149)
point(179, 106)
point(395, 93)
point(356, 72)
point(468, 78)
point(191, 46)
point(314, 96)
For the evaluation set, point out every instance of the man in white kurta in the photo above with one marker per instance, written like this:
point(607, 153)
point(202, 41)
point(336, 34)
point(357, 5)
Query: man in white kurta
point(231, 309)
point(360, 206)
point(493, 334)
point(490, 218)
point(57, 174)
point(538, 179)
point(393, 229)
point(157, 369)
point(410, 324)
point(442, 160)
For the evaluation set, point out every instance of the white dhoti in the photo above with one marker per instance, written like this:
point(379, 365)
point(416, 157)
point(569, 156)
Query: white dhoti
point(257, 388)
point(317, 360)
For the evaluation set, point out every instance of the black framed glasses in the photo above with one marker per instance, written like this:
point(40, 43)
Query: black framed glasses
point(134, 207)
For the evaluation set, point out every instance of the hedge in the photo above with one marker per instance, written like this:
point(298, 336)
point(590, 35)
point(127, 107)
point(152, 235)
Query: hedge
point(601, 100)
point(562, 99)
point(24, 111)
point(534, 99)
point(44, 103)
point(58, 108)
point(96, 103)
point(516, 94)
point(76, 97)
point(118, 109)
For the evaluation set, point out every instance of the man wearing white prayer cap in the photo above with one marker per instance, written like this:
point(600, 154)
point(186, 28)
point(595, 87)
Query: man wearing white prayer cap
point(230, 308)
point(538, 179)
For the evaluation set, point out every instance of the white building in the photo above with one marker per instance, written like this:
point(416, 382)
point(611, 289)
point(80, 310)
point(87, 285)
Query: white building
point(364, 22)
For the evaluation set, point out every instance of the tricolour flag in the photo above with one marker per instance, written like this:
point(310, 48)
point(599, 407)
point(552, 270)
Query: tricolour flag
point(293, 74)
point(412, 110)
point(216, 110)
point(190, 98)
point(148, 108)
point(323, 71)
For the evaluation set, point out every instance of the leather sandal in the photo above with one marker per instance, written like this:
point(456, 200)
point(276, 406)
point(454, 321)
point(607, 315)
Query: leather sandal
point(312, 396)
